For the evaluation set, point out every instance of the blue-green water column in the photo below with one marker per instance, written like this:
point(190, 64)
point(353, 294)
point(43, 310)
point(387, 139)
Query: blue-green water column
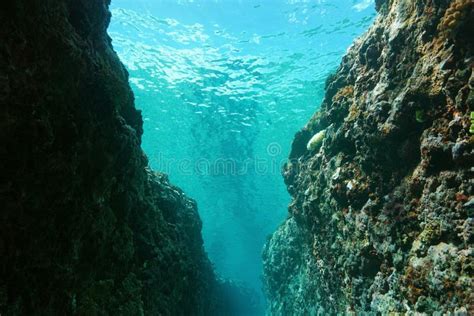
point(223, 86)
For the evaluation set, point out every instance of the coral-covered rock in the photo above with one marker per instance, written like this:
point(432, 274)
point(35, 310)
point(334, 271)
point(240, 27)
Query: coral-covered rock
point(380, 219)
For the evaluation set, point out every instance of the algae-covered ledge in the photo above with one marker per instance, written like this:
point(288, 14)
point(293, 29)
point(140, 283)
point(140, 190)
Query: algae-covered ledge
point(381, 177)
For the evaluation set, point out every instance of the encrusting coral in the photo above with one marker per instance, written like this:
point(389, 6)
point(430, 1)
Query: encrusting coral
point(381, 219)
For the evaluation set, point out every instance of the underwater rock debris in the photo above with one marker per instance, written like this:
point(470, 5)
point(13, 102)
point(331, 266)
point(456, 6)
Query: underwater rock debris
point(381, 218)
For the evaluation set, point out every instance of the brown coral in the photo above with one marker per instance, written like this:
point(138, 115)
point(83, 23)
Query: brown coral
point(453, 17)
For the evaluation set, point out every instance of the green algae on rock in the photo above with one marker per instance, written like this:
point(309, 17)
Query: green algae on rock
point(380, 218)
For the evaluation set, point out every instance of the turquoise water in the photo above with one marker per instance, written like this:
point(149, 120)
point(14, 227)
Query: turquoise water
point(223, 86)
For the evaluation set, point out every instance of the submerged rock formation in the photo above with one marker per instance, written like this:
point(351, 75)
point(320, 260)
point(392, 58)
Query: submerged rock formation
point(85, 227)
point(382, 212)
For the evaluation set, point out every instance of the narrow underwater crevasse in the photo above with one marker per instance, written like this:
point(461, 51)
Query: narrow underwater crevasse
point(223, 87)
point(381, 216)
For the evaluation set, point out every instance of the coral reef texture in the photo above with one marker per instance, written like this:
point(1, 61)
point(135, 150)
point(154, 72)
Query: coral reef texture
point(381, 218)
point(85, 227)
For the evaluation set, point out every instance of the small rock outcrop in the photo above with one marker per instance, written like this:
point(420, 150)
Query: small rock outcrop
point(85, 227)
point(382, 213)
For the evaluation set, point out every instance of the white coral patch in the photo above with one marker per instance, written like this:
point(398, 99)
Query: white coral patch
point(316, 140)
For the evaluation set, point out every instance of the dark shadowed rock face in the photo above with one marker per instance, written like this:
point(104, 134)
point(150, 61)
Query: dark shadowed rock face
point(382, 212)
point(85, 228)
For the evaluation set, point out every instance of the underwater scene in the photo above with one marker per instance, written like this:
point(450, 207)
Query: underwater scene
point(223, 87)
point(237, 157)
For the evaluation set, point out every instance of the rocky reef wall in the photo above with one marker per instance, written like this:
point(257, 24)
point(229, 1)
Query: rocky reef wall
point(381, 218)
point(85, 227)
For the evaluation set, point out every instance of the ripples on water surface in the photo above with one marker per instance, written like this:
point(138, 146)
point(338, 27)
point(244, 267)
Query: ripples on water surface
point(223, 86)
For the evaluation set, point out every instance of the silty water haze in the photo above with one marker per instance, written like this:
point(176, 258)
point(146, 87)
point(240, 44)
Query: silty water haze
point(223, 85)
